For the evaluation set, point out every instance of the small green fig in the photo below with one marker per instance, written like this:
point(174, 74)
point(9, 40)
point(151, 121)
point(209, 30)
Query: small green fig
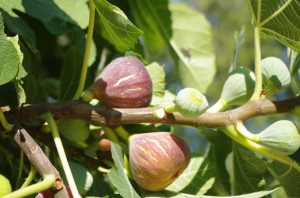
point(124, 83)
point(190, 102)
point(74, 130)
point(275, 75)
point(5, 187)
point(281, 137)
point(157, 159)
point(239, 86)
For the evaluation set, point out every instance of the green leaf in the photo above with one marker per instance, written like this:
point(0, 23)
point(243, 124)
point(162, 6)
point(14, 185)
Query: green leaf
point(288, 177)
point(9, 57)
point(30, 88)
point(218, 152)
point(196, 179)
point(16, 24)
point(82, 176)
point(20, 92)
point(120, 31)
point(170, 194)
point(70, 74)
point(278, 19)
point(50, 87)
point(117, 175)
point(59, 15)
point(247, 172)
point(157, 75)
point(186, 32)
point(21, 70)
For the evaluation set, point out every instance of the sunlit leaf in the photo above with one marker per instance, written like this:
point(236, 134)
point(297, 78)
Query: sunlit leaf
point(16, 24)
point(117, 175)
point(186, 32)
point(278, 19)
point(120, 31)
point(196, 179)
point(59, 15)
point(157, 75)
point(170, 194)
point(9, 57)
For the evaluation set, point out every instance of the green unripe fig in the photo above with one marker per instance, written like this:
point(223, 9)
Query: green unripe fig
point(74, 130)
point(281, 137)
point(239, 86)
point(157, 159)
point(124, 83)
point(5, 187)
point(190, 102)
point(275, 75)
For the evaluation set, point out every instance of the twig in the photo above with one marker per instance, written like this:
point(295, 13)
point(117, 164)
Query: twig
point(117, 116)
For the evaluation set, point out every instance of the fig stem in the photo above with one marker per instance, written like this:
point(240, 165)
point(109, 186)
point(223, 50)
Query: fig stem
point(87, 51)
point(21, 165)
point(6, 125)
point(159, 113)
point(258, 73)
point(122, 133)
point(232, 132)
point(32, 189)
point(171, 108)
point(240, 127)
point(61, 152)
point(110, 134)
point(220, 105)
point(30, 177)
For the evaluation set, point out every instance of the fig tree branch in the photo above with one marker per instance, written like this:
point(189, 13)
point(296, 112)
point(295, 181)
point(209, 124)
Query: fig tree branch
point(35, 154)
point(118, 116)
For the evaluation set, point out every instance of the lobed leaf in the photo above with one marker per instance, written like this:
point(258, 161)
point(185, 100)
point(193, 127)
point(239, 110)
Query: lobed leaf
point(186, 32)
point(119, 30)
point(278, 19)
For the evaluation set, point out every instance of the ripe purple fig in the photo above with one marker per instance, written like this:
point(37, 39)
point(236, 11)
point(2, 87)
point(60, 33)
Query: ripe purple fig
point(124, 83)
point(157, 159)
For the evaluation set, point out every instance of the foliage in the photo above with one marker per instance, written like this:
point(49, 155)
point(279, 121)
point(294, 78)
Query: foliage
point(52, 50)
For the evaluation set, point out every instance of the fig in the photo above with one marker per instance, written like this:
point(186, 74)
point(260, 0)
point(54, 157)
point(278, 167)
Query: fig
point(5, 187)
point(104, 144)
point(190, 102)
point(275, 75)
point(74, 130)
point(124, 83)
point(238, 87)
point(157, 159)
point(281, 137)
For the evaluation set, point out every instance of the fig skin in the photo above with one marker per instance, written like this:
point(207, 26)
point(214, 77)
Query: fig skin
point(157, 159)
point(124, 83)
